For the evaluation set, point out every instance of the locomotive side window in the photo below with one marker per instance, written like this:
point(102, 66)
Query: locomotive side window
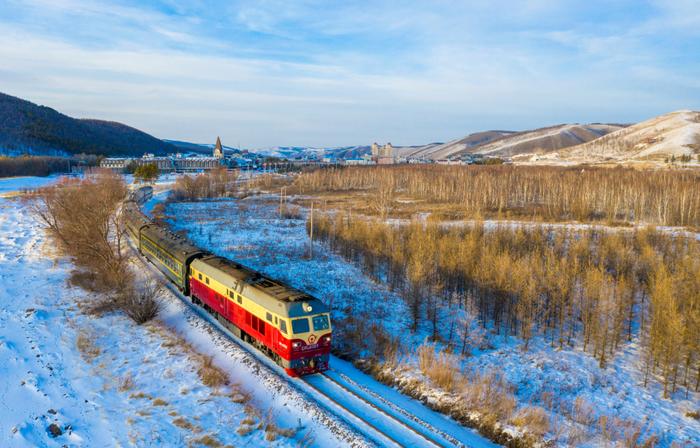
point(200, 277)
point(240, 300)
point(268, 316)
point(206, 280)
point(300, 325)
point(283, 326)
point(320, 322)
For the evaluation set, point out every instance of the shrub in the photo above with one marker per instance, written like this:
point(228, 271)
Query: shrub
point(489, 394)
point(143, 304)
point(534, 419)
point(582, 412)
point(441, 369)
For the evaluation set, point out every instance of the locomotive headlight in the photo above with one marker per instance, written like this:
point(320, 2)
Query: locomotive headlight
point(308, 308)
point(296, 344)
point(326, 339)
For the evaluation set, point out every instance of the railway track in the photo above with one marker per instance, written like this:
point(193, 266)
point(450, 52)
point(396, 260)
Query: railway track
point(356, 408)
point(382, 418)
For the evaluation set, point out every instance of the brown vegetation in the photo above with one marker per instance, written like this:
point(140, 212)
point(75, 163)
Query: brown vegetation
point(82, 216)
point(662, 197)
point(211, 375)
point(214, 184)
point(33, 166)
point(592, 288)
point(144, 303)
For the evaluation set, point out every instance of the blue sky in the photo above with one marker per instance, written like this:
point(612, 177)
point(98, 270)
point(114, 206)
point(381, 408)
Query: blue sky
point(325, 73)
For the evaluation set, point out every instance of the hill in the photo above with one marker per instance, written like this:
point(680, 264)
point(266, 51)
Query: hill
point(675, 134)
point(511, 143)
point(26, 127)
point(437, 151)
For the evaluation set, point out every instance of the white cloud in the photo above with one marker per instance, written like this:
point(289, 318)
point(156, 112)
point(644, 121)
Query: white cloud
point(269, 73)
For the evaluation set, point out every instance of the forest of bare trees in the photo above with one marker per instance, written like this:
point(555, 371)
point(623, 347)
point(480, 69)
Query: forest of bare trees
point(214, 184)
point(588, 288)
point(608, 195)
point(83, 217)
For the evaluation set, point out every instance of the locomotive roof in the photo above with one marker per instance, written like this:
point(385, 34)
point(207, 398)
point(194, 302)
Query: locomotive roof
point(271, 294)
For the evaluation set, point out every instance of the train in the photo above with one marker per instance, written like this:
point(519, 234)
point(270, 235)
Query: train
point(141, 194)
point(289, 326)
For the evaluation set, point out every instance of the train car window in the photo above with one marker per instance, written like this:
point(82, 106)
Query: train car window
point(283, 326)
point(240, 299)
point(320, 322)
point(275, 320)
point(262, 327)
point(300, 325)
point(200, 277)
point(206, 280)
point(268, 316)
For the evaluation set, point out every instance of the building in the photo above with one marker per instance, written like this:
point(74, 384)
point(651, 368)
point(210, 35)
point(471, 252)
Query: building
point(218, 149)
point(170, 163)
point(184, 164)
point(384, 155)
point(121, 163)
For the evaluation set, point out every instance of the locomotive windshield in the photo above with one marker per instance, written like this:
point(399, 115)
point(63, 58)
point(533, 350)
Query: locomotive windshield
point(300, 325)
point(320, 322)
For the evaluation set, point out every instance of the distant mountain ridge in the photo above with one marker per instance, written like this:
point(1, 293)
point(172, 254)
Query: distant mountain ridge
point(26, 127)
point(499, 143)
point(671, 135)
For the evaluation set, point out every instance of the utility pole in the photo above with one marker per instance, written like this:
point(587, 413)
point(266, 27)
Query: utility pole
point(311, 233)
point(283, 198)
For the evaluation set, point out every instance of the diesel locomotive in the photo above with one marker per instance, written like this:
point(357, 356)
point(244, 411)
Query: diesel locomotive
point(288, 325)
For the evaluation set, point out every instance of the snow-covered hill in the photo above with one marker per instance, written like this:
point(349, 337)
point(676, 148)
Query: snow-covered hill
point(510, 143)
point(673, 134)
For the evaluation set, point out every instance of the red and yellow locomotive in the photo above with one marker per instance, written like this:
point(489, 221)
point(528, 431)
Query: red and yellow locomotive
point(289, 326)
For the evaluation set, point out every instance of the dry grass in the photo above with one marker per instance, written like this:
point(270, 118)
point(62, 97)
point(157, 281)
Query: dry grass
point(86, 346)
point(626, 433)
point(159, 402)
point(489, 394)
point(211, 375)
point(244, 430)
point(534, 419)
point(239, 396)
point(442, 368)
point(206, 440)
point(139, 395)
point(126, 383)
point(582, 412)
point(183, 423)
point(291, 212)
point(272, 431)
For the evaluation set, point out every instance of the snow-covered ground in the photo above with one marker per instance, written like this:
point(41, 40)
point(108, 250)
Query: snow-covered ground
point(10, 185)
point(250, 232)
point(104, 382)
